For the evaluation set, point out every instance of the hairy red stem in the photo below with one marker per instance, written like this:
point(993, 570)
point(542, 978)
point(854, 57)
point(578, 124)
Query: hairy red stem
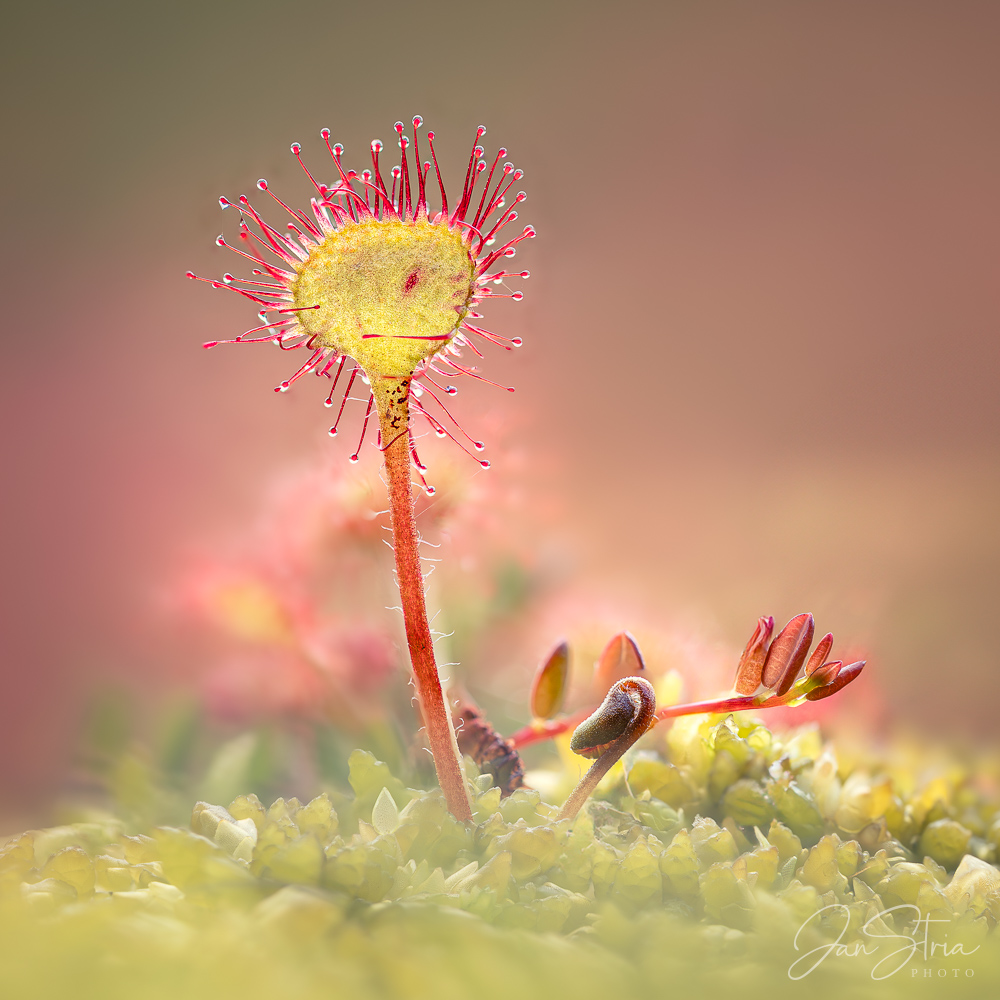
point(392, 403)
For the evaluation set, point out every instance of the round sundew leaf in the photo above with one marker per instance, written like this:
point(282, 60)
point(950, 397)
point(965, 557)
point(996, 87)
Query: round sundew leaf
point(386, 292)
point(548, 689)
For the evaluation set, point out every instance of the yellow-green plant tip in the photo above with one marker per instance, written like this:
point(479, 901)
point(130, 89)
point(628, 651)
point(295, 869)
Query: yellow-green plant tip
point(385, 815)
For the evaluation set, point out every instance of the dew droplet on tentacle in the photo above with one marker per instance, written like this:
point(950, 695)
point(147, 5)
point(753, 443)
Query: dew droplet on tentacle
point(346, 396)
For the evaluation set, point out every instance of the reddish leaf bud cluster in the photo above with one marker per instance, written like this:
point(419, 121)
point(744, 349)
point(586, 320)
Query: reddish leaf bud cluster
point(772, 671)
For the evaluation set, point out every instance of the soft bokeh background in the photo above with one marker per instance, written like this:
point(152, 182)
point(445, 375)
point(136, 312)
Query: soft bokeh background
point(761, 336)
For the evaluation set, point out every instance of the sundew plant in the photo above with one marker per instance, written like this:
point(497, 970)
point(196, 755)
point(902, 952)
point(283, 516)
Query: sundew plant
point(701, 850)
point(369, 276)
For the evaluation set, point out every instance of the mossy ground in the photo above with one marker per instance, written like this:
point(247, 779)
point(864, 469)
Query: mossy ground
point(695, 873)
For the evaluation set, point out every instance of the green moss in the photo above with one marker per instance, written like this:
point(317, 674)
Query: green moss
point(945, 841)
point(383, 892)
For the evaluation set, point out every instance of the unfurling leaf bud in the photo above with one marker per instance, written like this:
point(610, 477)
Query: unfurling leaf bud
point(548, 689)
point(751, 664)
point(825, 674)
point(820, 653)
point(843, 677)
point(788, 653)
point(620, 658)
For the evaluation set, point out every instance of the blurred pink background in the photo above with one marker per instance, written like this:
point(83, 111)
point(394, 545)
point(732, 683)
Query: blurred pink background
point(761, 350)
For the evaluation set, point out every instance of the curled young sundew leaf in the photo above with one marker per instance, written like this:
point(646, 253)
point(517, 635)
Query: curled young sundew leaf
point(548, 688)
point(615, 716)
point(627, 712)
